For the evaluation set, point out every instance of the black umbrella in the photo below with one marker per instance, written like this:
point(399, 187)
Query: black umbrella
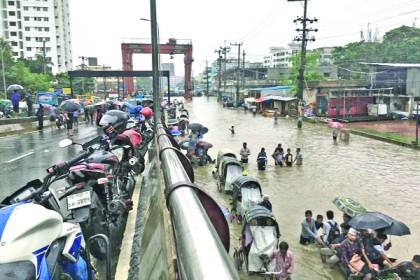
point(396, 228)
point(370, 220)
point(70, 106)
point(195, 126)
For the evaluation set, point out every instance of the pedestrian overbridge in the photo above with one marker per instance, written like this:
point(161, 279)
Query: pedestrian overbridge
point(180, 232)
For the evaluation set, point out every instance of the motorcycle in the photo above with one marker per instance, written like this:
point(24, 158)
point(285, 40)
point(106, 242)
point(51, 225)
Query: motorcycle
point(44, 246)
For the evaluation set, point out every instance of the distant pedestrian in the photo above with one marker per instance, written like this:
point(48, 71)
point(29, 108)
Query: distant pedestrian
point(53, 116)
point(232, 129)
point(76, 118)
point(70, 119)
point(28, 98)
point(15, 97)
point(266, 202)
point(254, 111)
point(40, 116)
point(244, 152)
point(335, 133)
point(99, 113)
point(276, 115)
point(87, 114)
point(298, 157)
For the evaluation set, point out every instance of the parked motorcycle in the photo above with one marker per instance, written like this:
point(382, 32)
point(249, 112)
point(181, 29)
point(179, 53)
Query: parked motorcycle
point(35, 242)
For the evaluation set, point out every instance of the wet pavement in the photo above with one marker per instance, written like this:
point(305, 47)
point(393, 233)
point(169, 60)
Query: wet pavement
point(401, 127)
point(381, 176)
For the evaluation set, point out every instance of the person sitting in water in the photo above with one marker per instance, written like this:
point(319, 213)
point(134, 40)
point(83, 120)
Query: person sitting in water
point(266, 202)
point(408, 270)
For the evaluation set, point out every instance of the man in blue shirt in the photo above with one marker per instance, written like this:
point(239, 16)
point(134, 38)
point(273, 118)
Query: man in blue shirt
point(266, 202)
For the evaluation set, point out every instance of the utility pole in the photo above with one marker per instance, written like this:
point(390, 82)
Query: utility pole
point(243, 70)
point(207, 78)
point(43, 54)
point(304, 38)
point(238, 71)
point(224, 51)
point(219, 75)
point(83, 68)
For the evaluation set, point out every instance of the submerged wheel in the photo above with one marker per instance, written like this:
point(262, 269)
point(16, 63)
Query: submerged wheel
point(237, 259)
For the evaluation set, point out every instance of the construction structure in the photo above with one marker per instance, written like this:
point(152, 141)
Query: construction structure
point(172, 47)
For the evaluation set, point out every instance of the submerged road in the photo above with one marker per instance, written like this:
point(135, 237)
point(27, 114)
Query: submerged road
point(381, 176)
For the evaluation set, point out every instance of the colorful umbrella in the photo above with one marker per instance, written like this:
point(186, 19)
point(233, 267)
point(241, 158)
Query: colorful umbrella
point(86, 103)
point(348, 206)
point(117, 103)
point(335, 125)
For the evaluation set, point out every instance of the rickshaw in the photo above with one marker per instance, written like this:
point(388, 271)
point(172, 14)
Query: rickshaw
point(260, 237)
point(228, 169)
point(246, 193)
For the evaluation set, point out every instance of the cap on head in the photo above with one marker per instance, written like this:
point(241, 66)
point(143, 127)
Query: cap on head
point(353, 231)
point(266, 196)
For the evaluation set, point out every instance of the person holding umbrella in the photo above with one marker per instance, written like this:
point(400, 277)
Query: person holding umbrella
point(15, 97)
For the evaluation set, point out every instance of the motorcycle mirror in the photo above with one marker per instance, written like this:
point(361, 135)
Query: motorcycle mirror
point(65, 142)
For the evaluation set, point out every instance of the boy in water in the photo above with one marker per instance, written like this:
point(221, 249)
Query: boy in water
point(299, 157)
point(288, 158)
point(232, 129)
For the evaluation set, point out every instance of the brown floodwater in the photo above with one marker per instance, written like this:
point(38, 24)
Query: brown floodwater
point(381, 176)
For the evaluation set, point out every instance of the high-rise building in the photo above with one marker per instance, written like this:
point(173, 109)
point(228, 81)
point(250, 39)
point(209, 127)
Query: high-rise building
point(38, 27)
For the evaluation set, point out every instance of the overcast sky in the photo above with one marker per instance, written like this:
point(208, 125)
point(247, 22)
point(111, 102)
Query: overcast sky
point(100, 26)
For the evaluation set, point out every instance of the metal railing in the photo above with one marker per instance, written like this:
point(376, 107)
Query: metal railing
point(201, 253)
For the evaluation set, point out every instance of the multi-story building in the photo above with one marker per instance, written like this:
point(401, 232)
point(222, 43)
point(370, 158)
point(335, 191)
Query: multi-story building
point(279, 56)
point(38, 27)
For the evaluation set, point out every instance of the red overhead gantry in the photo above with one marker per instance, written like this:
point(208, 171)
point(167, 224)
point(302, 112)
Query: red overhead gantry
point(171, 48)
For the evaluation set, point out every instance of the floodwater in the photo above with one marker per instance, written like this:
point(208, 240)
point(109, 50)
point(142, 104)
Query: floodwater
point(381, 176)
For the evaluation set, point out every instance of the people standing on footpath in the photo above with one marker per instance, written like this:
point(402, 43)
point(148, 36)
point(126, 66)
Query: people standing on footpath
point(28, 98)
point(40, 116)
point(245, 153)
point(15, 97)
point(70, 119)
point(87, 114)
point(53, 117)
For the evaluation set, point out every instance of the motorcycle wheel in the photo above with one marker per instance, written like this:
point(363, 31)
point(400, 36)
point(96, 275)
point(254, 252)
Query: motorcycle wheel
point(96, 224)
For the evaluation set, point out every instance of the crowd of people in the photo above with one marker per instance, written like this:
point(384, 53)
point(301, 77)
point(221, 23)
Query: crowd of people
point(357, 253)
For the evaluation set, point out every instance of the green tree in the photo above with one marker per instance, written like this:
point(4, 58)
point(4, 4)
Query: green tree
point(37, 65)
point(62, 80)
point(144, 83)
point(399, 45)
point(311, 72)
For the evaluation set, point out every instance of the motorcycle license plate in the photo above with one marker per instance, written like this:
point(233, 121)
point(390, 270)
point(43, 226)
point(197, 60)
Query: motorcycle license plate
point(78, 200)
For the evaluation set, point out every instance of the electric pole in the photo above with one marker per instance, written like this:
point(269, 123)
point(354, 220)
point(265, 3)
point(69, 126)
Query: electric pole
point(224, 51)
point(304, 38)
point(238, 71)
point(219, 75)
point(43, 54)
point(243, 70)
point(207, 78)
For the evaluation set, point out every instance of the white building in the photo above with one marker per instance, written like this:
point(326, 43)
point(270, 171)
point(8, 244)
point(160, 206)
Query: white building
point(279, 56)
point(38, 27)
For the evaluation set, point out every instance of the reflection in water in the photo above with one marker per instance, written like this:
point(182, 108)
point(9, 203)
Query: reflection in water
point(381, 176)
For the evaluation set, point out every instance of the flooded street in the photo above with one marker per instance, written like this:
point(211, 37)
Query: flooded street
point(381, 176)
